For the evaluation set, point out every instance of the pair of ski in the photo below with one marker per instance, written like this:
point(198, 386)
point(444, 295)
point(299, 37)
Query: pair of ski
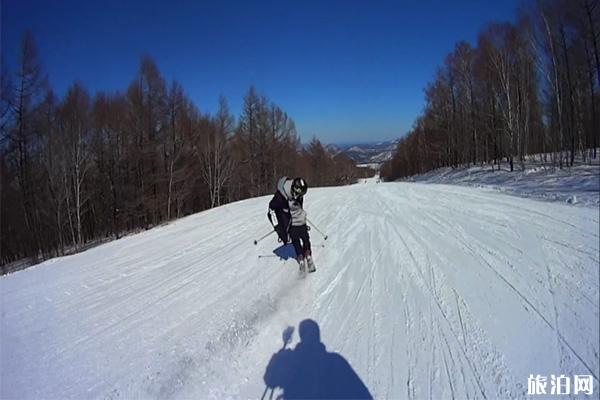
point(307, 266)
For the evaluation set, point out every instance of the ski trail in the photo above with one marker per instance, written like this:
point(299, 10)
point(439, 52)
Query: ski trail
point(428, 291)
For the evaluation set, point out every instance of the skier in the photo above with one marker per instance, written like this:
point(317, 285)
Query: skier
point(286, 206)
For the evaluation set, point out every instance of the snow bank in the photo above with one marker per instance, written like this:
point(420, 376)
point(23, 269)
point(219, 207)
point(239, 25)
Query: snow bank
point(579, 185)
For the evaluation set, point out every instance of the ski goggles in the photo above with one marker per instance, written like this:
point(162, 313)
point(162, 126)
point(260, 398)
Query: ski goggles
point(298, 191)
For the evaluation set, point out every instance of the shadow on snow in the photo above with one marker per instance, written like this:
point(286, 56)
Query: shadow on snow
point(309, 371)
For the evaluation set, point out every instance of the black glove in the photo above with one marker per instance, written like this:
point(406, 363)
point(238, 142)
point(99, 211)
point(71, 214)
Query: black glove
point(282, 233)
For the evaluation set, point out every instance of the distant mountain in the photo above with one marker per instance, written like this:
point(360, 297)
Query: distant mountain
point(367, 153)
point(333, 149)
point(356, 149)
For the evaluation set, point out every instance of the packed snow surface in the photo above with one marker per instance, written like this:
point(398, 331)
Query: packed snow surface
point(425, 290)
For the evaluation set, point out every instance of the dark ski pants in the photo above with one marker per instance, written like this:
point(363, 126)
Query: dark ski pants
point(300, 240)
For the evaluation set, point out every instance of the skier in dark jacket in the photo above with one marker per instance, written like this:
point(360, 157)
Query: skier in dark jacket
point(286, 206)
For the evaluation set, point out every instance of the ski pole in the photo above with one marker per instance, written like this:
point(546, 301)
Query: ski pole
point(265, 392)
point(318, 230)
point(258, 240)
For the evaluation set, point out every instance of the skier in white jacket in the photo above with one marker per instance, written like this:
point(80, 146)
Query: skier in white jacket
point(291, 218)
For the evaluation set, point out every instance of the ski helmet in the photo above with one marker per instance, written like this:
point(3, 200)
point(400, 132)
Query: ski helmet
point(299, 187)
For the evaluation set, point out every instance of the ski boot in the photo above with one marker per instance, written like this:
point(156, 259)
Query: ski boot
point(301, 263)
point(310, 263)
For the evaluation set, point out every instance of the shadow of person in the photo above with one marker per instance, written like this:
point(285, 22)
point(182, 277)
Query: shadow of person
point(309, 371)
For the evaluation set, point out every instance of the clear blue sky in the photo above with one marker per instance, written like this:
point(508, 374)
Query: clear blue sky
point(344, 70)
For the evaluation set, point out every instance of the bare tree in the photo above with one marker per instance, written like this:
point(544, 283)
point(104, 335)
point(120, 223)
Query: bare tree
point(217, 163)
point(75, 125)
point(30, 84)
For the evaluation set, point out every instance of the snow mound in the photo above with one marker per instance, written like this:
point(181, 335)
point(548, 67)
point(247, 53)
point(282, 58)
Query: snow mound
point(579, 185)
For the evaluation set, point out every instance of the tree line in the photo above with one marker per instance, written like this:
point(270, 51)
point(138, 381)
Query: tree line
point(83, 168)
point(529, 87)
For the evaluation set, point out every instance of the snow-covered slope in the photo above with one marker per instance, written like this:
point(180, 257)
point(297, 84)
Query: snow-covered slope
point(579, 185)
point(427, 291)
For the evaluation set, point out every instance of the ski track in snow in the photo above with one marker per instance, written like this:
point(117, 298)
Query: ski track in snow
point(428, 291)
